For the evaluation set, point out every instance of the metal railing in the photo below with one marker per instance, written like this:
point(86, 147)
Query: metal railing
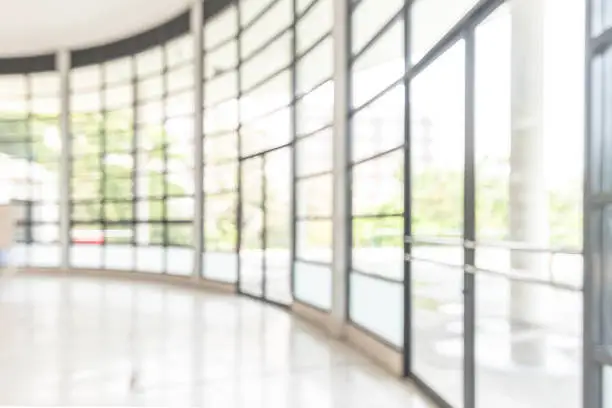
point(513, 275)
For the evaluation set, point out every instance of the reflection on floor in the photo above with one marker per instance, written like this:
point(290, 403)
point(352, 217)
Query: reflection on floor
point(82, 341)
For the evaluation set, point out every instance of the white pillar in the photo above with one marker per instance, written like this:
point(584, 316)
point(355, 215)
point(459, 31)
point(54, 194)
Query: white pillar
point(62, 61)
point(197, 29)
point(341, 244)
point(529, 222)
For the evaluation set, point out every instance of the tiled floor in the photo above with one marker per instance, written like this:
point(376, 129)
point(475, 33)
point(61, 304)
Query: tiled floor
point(83, 341)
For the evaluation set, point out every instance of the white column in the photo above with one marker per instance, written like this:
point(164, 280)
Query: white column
point(62, 61)
point(197, 13)
point(341, 242)
point(529, 222)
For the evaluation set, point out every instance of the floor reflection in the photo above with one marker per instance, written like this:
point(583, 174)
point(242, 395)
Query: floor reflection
point(82, 341)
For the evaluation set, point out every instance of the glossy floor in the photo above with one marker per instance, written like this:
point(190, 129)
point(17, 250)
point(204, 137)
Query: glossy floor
point(85, 341)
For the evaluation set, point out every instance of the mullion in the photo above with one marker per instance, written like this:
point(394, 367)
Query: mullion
point(30, 161)
point(135, 163)
point(267, 43)
point(102, 141)
point(347, 246)
point(374, 39)
point(264, 229)
point(265, 80)
point(315, 263)
point(313, 218)
point(311, 176)
point(301, 95)
point(256, 18)
point(294, 156)
point(164, 146)
point(199, 185)
point(239, 96)
point(375, 276)
point(221, 101)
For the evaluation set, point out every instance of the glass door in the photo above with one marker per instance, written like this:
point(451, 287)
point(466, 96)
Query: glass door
point(252, 270)
point(277, 182)
point(265, 257)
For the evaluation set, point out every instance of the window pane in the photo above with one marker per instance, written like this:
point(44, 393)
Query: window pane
point(378, 306)
point(315, 110)
point(266, 98)
point(180, 235)
point(313, 285)
point(380, 66)
point(314, 240)
point(315, 67)
point(220, 148)
point(220, 223)
point(267, 26)
point(529, 195)
point(431, 20)
point(221, 88)
point(223, 118)
point(315, 205)
point(118, 71)
point(179, 50)
point(437, 116)
point(266, 133)
point(378, 246)
point(180, 209)
point(380, 126)
point(86, 212)
point(150, 62)
point(378, 185)
point(314, 25)
point(270, 60)
point(220, 28)
point(118, 211)
point(220, 178)
point(221, 60)
point(314, 153)
point(369, 17)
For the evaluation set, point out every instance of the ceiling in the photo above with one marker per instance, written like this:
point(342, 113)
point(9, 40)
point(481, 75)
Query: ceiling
point(30, 27)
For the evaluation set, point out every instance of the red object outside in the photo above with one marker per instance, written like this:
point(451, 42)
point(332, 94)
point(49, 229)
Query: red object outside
point(91, 241)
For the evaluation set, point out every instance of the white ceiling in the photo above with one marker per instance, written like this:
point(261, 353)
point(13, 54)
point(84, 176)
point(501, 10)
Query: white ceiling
point(30, 27)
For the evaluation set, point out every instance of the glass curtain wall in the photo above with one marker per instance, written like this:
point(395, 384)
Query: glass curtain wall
point(265, 103)
point(377, 168)
point(179, 156)
point(266, 81)
point(465, 134)
point(491, 207)
point(132, 163)
point(29, 164)
point(86, 180)
point(221, 147)
point(528, 178)
point(313, 181)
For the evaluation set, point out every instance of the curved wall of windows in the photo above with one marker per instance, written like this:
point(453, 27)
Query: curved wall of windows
point(466, 228)
point(263, 114)
point(30, 146)
point(217, 159)
point(377, 168)
point(221, 147)
point(267, 103)
point(132, 163)
point(525, 221)
point(313, 154)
